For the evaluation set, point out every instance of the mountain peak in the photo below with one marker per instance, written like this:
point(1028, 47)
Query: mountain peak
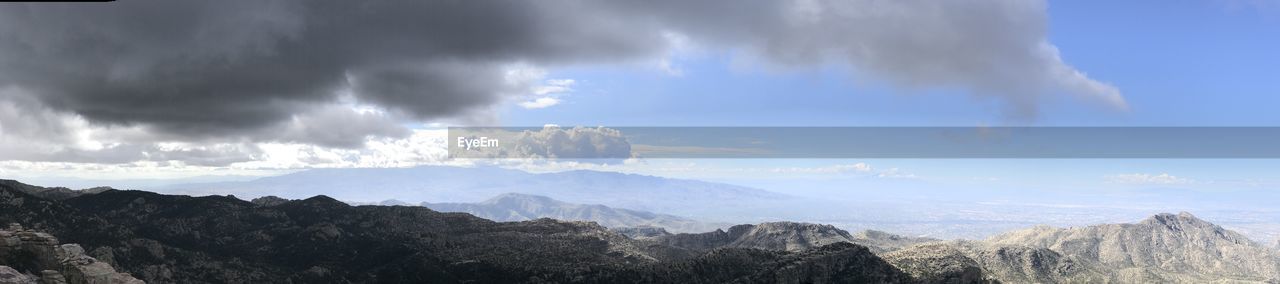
point(519, 196)
point(522, 200)
point(323, 200)
point(1178, 221)
point(798, 226)
point(269, 200)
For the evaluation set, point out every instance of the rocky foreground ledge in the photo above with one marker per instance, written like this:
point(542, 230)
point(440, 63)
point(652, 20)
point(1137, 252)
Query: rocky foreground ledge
point(28, 256)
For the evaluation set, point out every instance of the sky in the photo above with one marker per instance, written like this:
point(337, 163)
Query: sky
point(181, 89)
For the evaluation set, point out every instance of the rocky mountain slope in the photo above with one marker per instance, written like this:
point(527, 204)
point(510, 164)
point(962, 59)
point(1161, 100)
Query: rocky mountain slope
point(835, 263)
point(1165, 248)
point(1172, 247)
point(641, 233)
point(218, 239)
point(786, 236)
point(521, 207)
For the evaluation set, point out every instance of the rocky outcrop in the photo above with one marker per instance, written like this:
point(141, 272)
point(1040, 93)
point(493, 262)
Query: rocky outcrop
point(26, 253)
point(269, 200)
point(642, 233)
point(937, 263)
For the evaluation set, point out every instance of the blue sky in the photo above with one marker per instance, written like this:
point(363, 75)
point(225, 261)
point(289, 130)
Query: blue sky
point(1186, 63)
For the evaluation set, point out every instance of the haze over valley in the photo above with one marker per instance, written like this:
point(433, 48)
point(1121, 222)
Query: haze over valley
point(856, 206)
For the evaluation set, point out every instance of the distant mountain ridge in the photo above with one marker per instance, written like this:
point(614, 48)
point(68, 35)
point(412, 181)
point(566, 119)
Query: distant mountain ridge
point(522, 207)
point(442, 184)
point(55, 193)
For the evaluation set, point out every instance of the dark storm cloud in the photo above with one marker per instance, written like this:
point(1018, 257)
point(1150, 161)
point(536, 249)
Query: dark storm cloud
point(211, 68)
point(257, 71)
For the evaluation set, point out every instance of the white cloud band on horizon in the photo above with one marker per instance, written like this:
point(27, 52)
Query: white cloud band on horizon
point(1148, 179)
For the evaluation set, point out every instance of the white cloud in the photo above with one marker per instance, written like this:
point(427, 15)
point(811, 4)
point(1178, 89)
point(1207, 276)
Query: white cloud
point(549, 92)
point(540, 103)
point(1148, 179)
point(554, 86)
point(538, 92)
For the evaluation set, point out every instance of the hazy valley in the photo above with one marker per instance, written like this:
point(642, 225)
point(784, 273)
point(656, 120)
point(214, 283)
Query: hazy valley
point(852, 205)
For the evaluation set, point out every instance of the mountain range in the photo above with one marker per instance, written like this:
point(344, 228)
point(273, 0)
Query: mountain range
point(441, 184)
point(222, 239)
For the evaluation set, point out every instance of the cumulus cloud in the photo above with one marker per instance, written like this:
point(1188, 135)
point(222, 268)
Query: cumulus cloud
point(30, 132)
point(247, 72)
point(419, 147)
point(1148, 179)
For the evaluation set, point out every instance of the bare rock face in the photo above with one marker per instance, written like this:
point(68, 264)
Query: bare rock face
point(788, 236)
point(775, 236)
point(39, 253)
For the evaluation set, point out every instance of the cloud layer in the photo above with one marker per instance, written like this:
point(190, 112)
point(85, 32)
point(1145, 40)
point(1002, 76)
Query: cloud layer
point(116, 82)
